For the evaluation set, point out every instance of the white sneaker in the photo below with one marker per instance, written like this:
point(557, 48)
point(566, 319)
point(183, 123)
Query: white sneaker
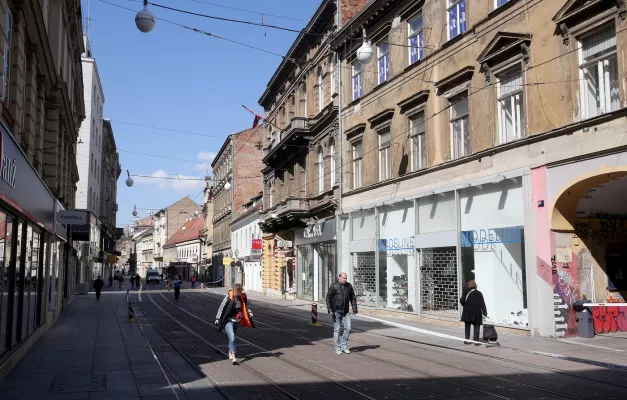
point(230, 355)
point(338, 351)
point(235, 361)
point(346, 351)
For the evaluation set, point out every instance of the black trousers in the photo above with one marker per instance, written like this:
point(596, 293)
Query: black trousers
point(475, 331)
point(98, 295)
point(177, 292)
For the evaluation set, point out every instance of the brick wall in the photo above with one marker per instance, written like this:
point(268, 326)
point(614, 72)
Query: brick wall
point(438, 281)
point(248, 180)
point(350, 8)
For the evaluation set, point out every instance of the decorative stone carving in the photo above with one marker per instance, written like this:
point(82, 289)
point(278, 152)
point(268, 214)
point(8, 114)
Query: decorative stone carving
point(565, 34)
point(486, 70)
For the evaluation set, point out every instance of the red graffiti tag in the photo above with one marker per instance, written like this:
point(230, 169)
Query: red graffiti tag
point(609, 319)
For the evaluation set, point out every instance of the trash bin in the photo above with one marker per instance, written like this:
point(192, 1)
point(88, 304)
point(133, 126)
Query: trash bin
point(585, 322)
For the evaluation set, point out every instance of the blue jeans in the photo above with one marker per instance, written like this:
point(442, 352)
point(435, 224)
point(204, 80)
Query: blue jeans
point(230, 329)
point(341, 320)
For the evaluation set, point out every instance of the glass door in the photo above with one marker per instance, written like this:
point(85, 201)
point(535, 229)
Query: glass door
point(305, 272)
point(327, 267)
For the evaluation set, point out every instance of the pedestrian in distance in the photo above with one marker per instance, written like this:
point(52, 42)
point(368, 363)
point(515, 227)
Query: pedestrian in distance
point(121, 281)
point(339, 296)
point(98, 285)
point(137, 279)
point(132, 282)
point(474, 310)
point(110, 281)
point(193, 281)
point(232, 314)
point(177, 289)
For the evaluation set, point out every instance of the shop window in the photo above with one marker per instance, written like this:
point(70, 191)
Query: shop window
point(397, 271)
point(4, 290)
point(385, 155)
point(27, 325)
point(357, 164)
point(418, 144)
point(320, 170)
point(492, 244)
point(365, 279)
point(305, 271)
point(599, 72)
point(383, 60)
point(35, 281)
point(20, 249)
point(510, 105)
point(439, 294)
point(456, 18)
point(415, 38)
point(460, 137)
point(327, 266)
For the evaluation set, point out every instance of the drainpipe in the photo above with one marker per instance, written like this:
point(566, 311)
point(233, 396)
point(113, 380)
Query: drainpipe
point(338, 223)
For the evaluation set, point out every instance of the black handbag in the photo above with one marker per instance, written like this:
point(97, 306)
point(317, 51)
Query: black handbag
point(490, 334)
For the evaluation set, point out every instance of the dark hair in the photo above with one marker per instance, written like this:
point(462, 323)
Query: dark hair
point(472, 284)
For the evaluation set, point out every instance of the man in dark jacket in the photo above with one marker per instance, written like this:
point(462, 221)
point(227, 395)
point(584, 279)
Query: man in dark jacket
point(98, 284)
point(339, 296)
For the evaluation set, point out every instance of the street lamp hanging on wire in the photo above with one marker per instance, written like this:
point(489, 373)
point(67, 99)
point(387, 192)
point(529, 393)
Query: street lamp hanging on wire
point(144, 19)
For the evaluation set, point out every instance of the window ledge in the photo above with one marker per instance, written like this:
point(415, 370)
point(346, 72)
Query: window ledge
point(502, 8)
point(457, 38)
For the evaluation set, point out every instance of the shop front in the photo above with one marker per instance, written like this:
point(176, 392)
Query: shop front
point(33, 260)
point(416, 255)
point(316, 261)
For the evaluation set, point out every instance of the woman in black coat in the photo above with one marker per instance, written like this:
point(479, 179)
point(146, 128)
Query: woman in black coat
point(474, 310)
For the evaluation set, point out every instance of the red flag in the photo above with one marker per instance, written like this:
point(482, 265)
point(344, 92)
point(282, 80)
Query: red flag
point(257, 116)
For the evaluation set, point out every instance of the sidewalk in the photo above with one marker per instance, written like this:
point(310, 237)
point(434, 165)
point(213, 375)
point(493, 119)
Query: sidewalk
point(94, 353)
point(606, 349)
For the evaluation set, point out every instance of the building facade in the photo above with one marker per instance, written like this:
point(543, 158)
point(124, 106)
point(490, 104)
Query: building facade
point(186, 248)
point(300, 161)
point(110, 173)
point(207, 210)
point(41, 98)
point(484, 141)
point(239, 163)
point(246, 241)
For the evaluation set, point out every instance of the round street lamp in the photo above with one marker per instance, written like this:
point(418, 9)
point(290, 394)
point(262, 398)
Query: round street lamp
point(227, 185)
point(364, 53)
point(134, 211)
point(196, 213)
point(129, 180)
point(144, 19)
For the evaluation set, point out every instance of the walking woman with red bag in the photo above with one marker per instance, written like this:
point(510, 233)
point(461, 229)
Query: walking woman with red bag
point(232, 314)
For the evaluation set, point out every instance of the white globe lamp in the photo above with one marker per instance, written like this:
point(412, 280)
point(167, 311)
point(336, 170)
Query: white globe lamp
point(129, 180)
point(364, 53)
point(227, 185)
point(144, 19)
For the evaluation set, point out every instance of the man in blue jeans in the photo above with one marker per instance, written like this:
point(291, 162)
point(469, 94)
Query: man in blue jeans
point(339, 296)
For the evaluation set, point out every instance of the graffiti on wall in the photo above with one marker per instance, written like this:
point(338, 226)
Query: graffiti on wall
point(565, 293)
point(609, 319)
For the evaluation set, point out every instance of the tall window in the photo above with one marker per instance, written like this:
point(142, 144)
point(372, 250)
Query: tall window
point(383, 60)
point(599, 72)
point(460, 140)
point(332, 162)
point(6, 68)
point(500, 2)
point(320, 171)
point(357, 80)
point(456, 18)
point(320, 89)
point(415, 38)
point(385, 155)
point(418, 150)
point(511, 107)
point(332, 74)
point(358, 164)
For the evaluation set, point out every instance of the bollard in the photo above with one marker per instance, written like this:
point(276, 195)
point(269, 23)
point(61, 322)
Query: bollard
point(131, 313)
point(139, 294)
point(314, 315)
point(202, 286)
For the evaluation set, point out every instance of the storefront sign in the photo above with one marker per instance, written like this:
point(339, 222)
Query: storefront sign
point(72, 217)
point(256, 248)
point(227, 261)
point(396, 246)
point(284, 243)
point(111, 259)
point(282, 253)
point(324, 231)
point(312, 231)
point(8, 170)
point(512, 234)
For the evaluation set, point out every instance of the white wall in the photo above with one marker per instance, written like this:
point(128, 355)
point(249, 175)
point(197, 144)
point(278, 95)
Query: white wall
point(242, 238)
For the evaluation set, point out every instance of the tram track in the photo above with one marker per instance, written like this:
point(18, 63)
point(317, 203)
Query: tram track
point(473, 388)
point(434, 361)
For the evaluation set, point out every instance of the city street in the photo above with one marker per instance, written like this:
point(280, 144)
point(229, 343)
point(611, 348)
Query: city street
point(284, 357)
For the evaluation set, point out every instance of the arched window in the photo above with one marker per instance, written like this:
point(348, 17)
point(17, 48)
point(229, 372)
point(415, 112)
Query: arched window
point(320, 170)
point(332, 162)
point(320, 89)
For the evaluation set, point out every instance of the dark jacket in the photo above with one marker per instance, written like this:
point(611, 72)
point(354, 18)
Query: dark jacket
point(98, 284)
point(227, 311)
point(339, 296)
point(474, 306)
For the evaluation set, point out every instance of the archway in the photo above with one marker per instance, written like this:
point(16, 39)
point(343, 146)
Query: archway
point(589, 225)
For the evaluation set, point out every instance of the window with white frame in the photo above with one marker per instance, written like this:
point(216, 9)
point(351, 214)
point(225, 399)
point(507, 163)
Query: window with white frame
point(357, 151)
point(357, 78)
point(320, 170)
point(598, 71)
point(385, 155)
point(510, 105)
point(6, 69)
point(332, 162)
point(456, 18)
point(320, 90)
point(460, 139)
point(383, 60)
point(418, 149)
point(415, 38)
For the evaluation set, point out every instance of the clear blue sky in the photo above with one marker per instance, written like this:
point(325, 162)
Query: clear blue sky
point(174, 78)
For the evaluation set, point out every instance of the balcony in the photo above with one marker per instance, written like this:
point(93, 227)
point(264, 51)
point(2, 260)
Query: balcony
point(297, 133)
point(291, 212)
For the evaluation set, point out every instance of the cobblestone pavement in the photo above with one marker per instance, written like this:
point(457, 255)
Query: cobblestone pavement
point(94, 353)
